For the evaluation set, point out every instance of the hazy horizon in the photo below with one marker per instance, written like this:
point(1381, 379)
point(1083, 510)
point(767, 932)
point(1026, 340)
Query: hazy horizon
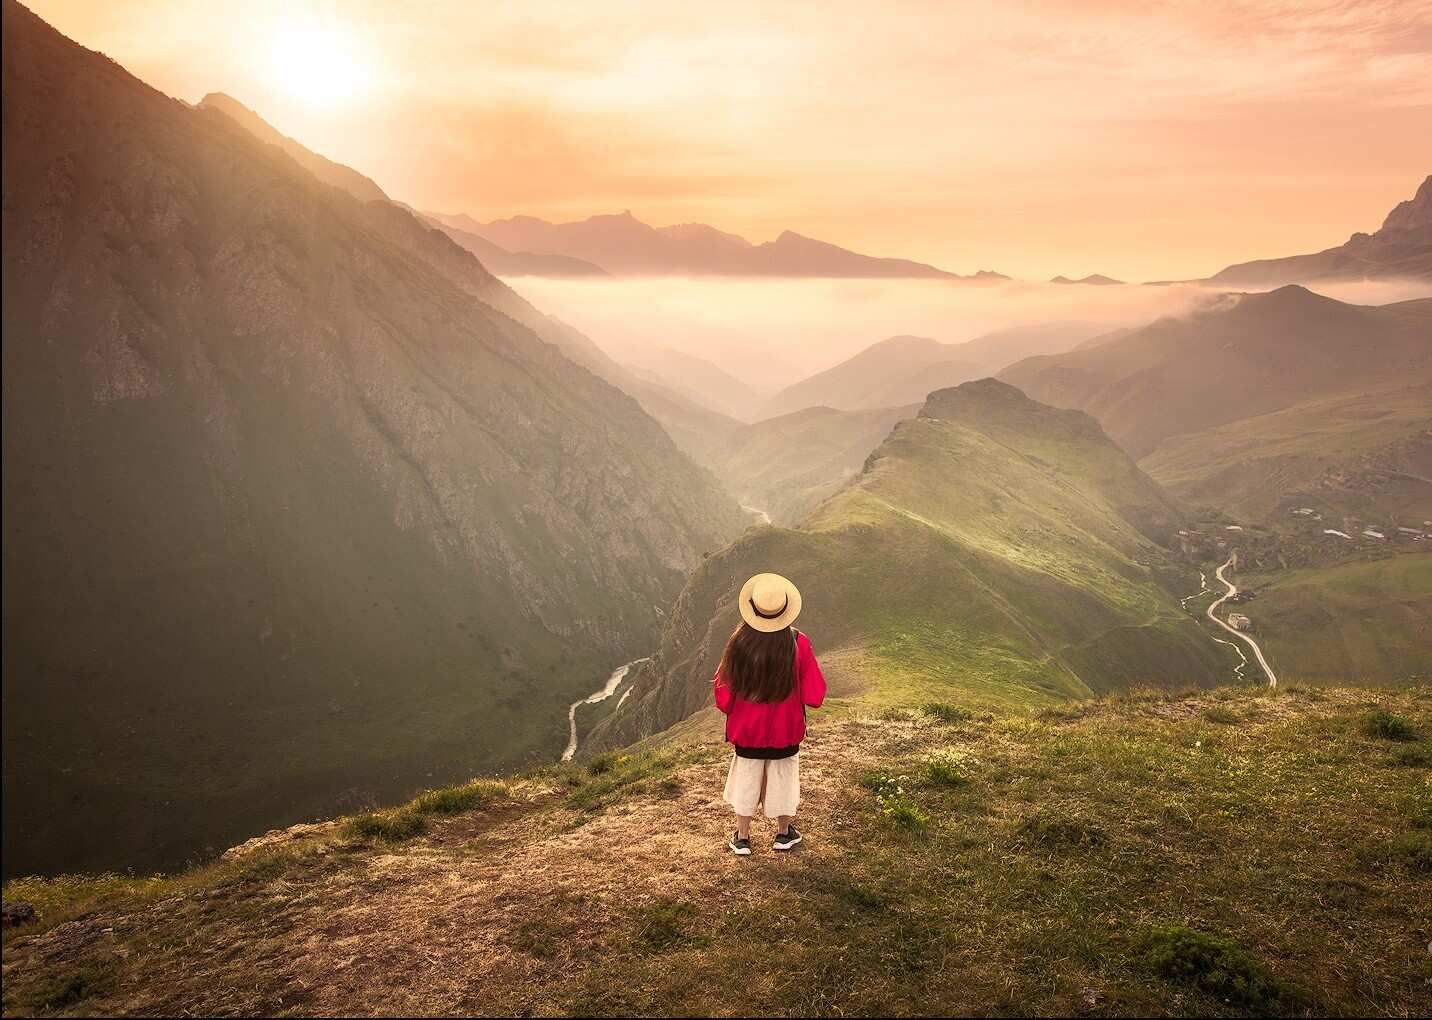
point(776, 331)
point(1031, 139)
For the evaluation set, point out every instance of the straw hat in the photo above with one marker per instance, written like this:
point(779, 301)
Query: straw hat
point(769, 602)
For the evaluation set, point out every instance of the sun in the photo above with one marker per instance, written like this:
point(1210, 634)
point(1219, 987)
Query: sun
point(320, 62)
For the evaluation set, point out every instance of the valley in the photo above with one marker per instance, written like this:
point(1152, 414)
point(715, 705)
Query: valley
point(366, 569)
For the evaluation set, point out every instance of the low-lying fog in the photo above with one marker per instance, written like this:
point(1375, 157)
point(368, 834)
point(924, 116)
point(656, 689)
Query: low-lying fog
point(774, 332)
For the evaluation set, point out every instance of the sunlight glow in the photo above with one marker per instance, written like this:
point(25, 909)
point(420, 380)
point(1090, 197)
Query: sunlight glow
point(320, 62)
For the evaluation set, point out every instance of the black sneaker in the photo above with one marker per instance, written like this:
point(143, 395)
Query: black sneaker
point(740, 847)
point(789, 838)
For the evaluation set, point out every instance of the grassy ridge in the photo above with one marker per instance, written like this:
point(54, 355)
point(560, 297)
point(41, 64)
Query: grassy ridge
point(1236, 853)
point(993, 549)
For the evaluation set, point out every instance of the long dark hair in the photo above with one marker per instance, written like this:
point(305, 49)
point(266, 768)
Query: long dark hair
point(760, 666)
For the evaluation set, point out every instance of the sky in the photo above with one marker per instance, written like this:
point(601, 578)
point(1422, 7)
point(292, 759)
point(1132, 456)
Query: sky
point(1145, 141)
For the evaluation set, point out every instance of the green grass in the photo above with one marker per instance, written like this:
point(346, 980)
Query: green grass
point(1352, 623)
point(391, 826)
point(945, 768)
point(663, 925)
point(394, 825)
point(947, 713)
point(610, 777)
point(450, 800)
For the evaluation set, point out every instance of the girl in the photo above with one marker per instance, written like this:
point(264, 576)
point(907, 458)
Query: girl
point(767, 678)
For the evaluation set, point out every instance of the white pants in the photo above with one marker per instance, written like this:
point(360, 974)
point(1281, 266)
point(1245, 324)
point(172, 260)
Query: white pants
point(773, 783)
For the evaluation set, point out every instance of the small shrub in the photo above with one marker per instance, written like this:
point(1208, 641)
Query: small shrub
point(1222, 716)
point(389, 826)
point(894, 715)
point(896, 807)
point(452, 799)
point(947, 713)
point(663, 924)
point(1384, 725)
point(603, 763)
point(1215, 965)
point(904, 813)
point(946, 768)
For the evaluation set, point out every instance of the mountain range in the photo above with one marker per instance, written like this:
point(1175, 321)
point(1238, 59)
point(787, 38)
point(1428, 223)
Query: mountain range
point(1236, 357)
point(300, 506)
point(903, 369)
point(623, 245)
point(1400, 248)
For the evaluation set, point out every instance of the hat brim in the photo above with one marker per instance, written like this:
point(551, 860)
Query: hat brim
point(769, 624)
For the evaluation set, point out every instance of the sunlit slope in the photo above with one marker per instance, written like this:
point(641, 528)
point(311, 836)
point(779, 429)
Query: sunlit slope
point(1368, 454)
point(994, 550)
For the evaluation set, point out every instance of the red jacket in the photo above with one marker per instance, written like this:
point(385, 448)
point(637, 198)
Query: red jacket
point(780, 723)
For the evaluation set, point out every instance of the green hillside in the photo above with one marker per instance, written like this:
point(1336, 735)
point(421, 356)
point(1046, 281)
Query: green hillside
point(1363, 622)
point(1238, 357)
point(993, 549)
point(1368, 455)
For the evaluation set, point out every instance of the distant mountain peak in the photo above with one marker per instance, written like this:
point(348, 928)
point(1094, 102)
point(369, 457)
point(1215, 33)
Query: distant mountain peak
point(1400, 249)
point(1093, 279)
point(621, 243)
point(1413, 214)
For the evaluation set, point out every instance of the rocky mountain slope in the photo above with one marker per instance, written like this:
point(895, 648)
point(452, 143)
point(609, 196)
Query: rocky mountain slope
point(903, 369)
point(1237, 853)
point(1238, 357)
point(993, 549)
point(696, 428)
point(297, 509)
point(1400, 248)
point(623, 245)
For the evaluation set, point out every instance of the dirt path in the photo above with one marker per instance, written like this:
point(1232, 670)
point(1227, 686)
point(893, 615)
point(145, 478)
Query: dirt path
point(1247, 639)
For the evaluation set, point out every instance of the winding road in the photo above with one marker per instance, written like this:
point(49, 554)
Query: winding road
point(1212, 615)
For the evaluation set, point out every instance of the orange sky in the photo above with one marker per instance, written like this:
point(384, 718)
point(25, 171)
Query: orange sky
point(1144, 141)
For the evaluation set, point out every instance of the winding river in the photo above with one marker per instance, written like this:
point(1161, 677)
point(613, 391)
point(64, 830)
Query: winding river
point(599, 695)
